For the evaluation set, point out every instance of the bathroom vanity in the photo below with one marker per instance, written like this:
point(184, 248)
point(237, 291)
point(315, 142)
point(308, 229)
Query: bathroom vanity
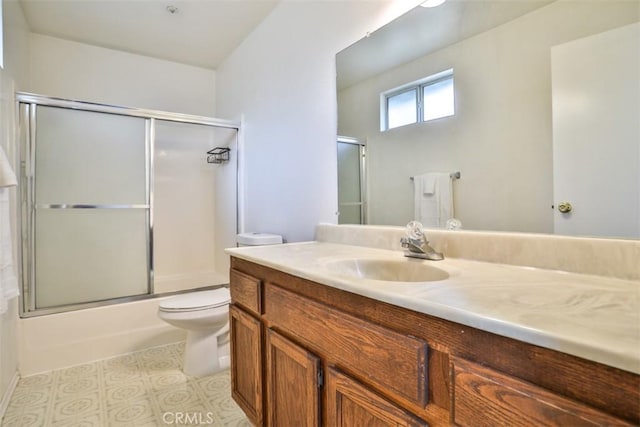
point(315, 343)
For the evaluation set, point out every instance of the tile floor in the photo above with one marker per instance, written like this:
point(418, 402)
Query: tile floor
point(146, 388)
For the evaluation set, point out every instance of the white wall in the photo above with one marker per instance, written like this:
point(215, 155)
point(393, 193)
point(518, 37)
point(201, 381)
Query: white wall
point(281, 81)
point(14, 76)
point(500, 138)
point(73, 70)
point(16, 44)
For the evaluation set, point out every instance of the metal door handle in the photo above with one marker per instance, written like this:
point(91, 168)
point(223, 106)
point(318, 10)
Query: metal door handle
point(565, 207)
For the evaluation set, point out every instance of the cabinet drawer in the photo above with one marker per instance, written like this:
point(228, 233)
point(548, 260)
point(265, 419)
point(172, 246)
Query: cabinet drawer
point(378, 356)
point(484, 397)
point(245, 291)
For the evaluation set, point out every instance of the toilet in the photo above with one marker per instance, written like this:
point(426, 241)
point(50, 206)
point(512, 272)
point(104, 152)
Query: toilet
point(205, 316)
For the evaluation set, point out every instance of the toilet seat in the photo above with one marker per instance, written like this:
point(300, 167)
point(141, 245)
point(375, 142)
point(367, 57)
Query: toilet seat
point(196, 301)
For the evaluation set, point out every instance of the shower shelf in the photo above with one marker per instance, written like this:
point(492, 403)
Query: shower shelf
point(218, 155)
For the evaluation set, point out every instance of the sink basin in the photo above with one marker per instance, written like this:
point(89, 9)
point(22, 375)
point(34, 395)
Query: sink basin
point(388, 270)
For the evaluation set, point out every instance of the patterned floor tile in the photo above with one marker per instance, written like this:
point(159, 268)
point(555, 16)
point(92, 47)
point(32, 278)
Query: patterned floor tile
point(133, 413)
point(117, 394)
point(167, 380)
point(32, 396)
point(32, 416)
point(78, 371)
point(77, 406)
point(142, 389)
point(77, 386)
point(90, 420)
point(37, 380)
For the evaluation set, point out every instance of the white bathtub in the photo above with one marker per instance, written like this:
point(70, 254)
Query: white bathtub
point(65, 339)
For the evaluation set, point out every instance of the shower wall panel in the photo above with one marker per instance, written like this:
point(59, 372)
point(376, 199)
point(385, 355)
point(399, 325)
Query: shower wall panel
point(185, 236)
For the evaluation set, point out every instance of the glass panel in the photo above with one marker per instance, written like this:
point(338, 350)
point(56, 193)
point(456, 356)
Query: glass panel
point(438, 100)
point(84, 157)
point(350, 214)
point(348, 173)
point(402, 109)
point(90, 255)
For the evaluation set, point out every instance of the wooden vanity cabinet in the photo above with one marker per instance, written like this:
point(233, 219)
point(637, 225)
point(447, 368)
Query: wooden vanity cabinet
point(293, 383)
point(246, 363)
point(245, 329)
point(306, 354)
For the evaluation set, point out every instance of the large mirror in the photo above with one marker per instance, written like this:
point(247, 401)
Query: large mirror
point(545, 128)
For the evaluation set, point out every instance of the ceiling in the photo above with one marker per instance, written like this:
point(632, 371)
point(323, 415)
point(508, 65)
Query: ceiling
point(200, 33)
point(425, 30)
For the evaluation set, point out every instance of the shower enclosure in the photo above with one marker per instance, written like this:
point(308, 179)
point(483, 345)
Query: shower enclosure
point(352, 194)
point(117, 203)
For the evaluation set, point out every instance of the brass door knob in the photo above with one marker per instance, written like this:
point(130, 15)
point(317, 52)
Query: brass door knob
point(565, 207)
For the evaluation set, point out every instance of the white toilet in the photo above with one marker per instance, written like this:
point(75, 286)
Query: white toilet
point(205, 316)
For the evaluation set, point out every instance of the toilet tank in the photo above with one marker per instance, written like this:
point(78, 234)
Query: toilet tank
point(258, 239)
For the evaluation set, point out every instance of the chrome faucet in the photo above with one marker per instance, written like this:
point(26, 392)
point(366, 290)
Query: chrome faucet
point(416, 244)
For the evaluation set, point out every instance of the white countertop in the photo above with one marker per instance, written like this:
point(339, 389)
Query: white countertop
point(593, 317)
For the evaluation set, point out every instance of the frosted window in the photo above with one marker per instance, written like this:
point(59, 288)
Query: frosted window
point(420, 101)
point(437, 100)
point(402, 109)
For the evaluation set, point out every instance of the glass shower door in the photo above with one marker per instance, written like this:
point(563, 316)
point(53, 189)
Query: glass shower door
point(351, 181)
point(90, 207)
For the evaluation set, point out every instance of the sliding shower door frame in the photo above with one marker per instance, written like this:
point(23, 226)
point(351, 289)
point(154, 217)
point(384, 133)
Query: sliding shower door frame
point(27, 114)
point(362, 150)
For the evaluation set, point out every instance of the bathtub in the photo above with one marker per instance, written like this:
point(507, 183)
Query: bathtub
point(65, 339)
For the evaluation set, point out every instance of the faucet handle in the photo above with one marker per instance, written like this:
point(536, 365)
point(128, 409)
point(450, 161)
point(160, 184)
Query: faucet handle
point(415, 230)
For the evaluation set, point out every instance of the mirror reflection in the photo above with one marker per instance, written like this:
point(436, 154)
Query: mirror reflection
point(535, 105)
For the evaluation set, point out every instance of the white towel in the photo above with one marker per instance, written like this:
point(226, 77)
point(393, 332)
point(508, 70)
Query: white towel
point(433, 199)
point(7, 175)
point(8, 279)
point(428, 182)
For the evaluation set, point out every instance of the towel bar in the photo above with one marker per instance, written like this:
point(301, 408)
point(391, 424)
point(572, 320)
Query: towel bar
point(452, 175)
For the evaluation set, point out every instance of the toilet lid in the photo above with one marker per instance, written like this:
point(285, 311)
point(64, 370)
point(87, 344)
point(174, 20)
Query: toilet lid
point(197, 300)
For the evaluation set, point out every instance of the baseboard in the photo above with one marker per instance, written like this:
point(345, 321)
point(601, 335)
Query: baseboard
point(6, 398)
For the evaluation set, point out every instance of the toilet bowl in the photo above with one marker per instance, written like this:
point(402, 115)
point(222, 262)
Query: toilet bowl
point(205, 317)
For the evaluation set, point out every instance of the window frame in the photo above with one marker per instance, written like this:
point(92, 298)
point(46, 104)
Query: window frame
point(418, 86)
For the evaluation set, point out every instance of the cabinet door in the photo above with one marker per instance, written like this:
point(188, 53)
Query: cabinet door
point(292, 383)
point(350, 404)
point(246, 363)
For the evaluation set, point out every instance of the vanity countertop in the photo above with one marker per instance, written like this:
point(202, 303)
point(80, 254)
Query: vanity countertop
point(593, 317)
